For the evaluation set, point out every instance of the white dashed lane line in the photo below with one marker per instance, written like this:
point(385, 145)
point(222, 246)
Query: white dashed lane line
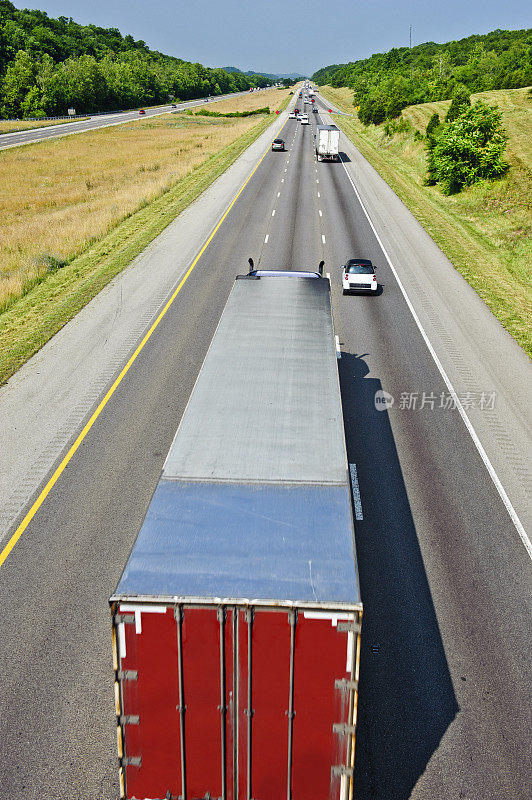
point(273, 213)
point(266, 238)
point(319, 212)
point(323, 238)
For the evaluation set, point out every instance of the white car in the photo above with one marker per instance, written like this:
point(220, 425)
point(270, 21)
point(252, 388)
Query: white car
point(303, 119)
point(358, 275)
point(292, 115)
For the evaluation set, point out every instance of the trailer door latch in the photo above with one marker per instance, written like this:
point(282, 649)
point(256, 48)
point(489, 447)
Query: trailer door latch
point(130, 719)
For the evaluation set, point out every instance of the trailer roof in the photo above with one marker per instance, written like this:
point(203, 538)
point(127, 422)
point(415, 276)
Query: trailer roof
point(328, 128)
point(266, 406)
point(220, 541)
point(254, 502)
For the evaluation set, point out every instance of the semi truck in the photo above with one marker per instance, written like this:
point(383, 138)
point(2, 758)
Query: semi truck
point(327, 142)
point(236, 623)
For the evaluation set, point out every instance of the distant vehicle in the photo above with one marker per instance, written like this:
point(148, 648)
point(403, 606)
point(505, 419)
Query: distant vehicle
point(358, 275)
point(142, 111)
point(174, 105)
point(292, 115)
point(314, 110)
point(296, 111)
point(327, 141)
point(304, 119)
point(278, 144)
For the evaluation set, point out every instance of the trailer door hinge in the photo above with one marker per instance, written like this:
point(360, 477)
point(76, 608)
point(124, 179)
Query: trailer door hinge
point(341, 769)
point(131, 761)
point(127, 675)
point(130, 719)
point(348, 627)
point(342, 728)
point(127, 619)
point(345, 685)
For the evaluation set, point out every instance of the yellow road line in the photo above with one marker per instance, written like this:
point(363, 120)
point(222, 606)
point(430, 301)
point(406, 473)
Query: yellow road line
point(101, 405)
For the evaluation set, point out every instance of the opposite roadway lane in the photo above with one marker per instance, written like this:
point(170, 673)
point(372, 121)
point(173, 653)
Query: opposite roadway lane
point(445, 683)
point(100, 121)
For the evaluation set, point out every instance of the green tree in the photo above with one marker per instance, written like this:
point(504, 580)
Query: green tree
point(18, 80)
point(459, 101)
point(468, 149)
point(432, 126)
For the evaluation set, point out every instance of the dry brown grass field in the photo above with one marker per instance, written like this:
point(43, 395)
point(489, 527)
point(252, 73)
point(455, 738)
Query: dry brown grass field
point(485, 230)
point(273, 98)
point(27, 125)
point(58, 197)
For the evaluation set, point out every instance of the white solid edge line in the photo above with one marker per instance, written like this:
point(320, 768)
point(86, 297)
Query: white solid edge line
point(487, 463)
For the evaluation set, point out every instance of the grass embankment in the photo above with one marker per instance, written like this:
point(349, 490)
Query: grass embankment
point(76, 211)
point(486, 230)
point(26, 125)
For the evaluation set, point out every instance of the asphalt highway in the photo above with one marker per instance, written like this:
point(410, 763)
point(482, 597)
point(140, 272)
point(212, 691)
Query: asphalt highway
point(445, 675)
point(100, 121)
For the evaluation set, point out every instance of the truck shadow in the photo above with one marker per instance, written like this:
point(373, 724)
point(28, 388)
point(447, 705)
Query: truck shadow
point(406, 700)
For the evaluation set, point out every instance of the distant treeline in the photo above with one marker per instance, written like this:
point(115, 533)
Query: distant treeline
point(48, 65)
point(388, 82)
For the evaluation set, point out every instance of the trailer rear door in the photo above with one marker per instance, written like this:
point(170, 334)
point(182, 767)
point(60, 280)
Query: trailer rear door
point(235, 702)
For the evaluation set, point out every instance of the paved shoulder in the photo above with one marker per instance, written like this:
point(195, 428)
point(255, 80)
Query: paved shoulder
point(490, 373)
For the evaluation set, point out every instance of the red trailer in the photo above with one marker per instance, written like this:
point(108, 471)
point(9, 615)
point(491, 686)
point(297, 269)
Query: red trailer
point(236, 623)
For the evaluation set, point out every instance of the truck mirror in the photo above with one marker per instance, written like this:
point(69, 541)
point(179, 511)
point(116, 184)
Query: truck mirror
point(320, 267)
point(250, 262)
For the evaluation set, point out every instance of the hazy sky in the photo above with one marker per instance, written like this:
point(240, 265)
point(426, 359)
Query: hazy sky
point(282, 37)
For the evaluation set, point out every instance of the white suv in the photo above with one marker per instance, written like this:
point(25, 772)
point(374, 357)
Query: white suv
point(304, 119)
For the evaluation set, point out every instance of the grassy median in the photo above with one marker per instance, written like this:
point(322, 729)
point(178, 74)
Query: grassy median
point(485, 230)
point(76, 211)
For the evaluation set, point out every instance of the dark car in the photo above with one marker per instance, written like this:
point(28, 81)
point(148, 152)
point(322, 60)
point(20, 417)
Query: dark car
point(358, 275)
point(278, 144)
point(314, 110)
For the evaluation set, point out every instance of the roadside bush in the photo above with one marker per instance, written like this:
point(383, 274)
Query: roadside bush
point(401, 125)
point(207, 113)
point(459, 101)
point(467, 149)
point(432, 125)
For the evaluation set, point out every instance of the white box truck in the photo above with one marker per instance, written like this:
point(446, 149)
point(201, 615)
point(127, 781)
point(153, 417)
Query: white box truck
point(327, 141)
